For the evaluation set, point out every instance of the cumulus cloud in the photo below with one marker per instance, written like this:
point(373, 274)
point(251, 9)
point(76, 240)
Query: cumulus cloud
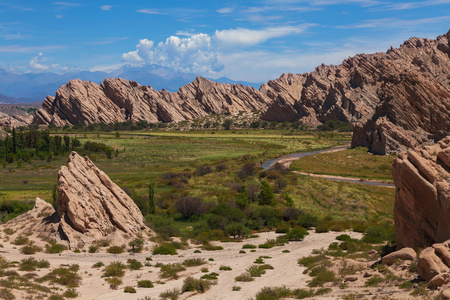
point(37, 66)
point(192, 54)
point(249, 37)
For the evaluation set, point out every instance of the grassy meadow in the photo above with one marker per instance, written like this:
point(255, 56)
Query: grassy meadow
point(222, 167)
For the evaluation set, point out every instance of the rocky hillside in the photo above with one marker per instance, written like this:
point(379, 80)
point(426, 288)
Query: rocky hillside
point(119, 100)
point(397, 100)
point(422, 199)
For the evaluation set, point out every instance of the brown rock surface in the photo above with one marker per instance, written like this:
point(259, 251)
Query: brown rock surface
point(439, 280)
point(90, 207)
point(422, 200)
point(398, 99)
point(402, 254)
point(429, 264)
point(90, 204)
point(119, 100)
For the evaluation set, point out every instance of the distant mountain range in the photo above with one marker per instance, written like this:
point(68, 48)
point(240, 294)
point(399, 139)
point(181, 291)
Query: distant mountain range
point(34, 87)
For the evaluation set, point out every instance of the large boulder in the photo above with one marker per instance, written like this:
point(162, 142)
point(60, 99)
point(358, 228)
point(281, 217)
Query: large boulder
point(402, 254)
point(422, 200)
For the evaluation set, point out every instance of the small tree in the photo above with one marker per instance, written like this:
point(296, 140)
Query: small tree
point(136, 245)
point(227, 124)
point(151, 199)
point(55, 195)
point(266, 196)
point(288, 201)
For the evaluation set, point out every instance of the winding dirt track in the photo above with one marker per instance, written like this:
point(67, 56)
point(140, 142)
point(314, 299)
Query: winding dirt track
point(286, 161)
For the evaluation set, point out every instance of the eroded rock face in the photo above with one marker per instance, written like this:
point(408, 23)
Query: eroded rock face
point(397, 100)
point(90, 204)
point(422, 200)
point(119, 100)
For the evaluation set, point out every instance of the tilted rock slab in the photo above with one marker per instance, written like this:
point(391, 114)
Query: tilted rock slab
point(90, 204)
point(119, 100)
point(422, 200)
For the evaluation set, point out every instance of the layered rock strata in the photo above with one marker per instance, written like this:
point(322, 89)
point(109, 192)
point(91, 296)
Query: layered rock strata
point(422, 200)
point(119, 100)
point(90, 207)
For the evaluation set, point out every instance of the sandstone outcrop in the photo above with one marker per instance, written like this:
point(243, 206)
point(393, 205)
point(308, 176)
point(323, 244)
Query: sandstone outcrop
point(119, 100)
point(402, 254)
point(90, 204)
point(90, 207)
point(397, 100)
point(15, 121)
point(422, 200)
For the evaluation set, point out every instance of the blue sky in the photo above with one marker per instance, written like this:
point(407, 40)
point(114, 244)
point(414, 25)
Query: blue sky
point(244, 40)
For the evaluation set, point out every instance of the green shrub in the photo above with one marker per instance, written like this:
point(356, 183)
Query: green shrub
point(321, 276)
point(282, 227)
point(114, 269)
point(145, 284)
point(129, 289)
point(170, 294)
point(98, 264)
point(30, 248)
point(244, 277)
point(70, 293)
point(323, 227)
point(297, 234)
point(375, 280)
point(200, 285)
point(236, 288)
point(236, 229)
point(171, 270)
point(53, 247)
point(307, 220)
point(165, 249)
point(6, 294)
point(115, 250)
point(133, 264)
point(192, 262)
point(248, 246)
point(66, 276)
point(114, 282)
point(225, 268)
point(93, 249)
point(20, 240)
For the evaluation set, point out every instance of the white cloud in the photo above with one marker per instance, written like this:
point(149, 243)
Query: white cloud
point(37, 66)
point(249, 37)
point(106, 7)
point(150, 11)
point(191, 54)
point(225, 10)
point(393, 22)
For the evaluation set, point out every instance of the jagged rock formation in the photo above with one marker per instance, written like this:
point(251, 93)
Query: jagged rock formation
point(14, 121)
point(398, 99)
point(90, 204)
point(422, 200)
point(90, 207)
point(119, 100)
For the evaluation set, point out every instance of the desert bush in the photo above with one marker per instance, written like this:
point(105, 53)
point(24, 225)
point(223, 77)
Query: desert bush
point(236, 229)
point(247, 170)
point(290, 213)
point(192, 262)
point(199, 285)
point(244, 277)
point(203, 170)
point(6, 294)
point(165, 249)
point(145, 284)
point(133, 264)
point(30, 248)
point(66, 276)
point(190, 206)
point(170, 294)
point(171, 270)
point(53, 247)
point(93, 249)
point(114, 269)
point(307, 220)
point(20, 240)
point(98, 264)
point(101, 243)
point(322, 227)
point(70, 293)
point(248, 246)
point(114, 282)
point(115, 250)
point(30, 264)
point(282, 227)
point(129, 289)
point(377, 234)
point(252, 191)
point(225, 268)
point(297, 234)
point(221, 167)
point(321, 276)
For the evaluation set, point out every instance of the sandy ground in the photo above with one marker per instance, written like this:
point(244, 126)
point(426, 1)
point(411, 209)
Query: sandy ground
point(286, 269)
